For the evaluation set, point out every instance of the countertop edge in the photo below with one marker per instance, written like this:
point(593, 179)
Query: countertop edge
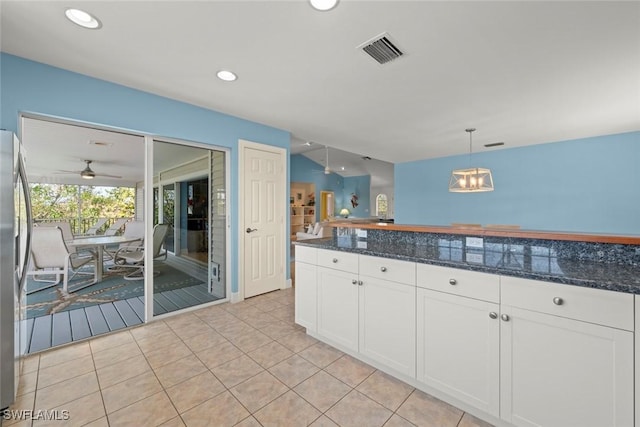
point(595, 284)
point(493, 232)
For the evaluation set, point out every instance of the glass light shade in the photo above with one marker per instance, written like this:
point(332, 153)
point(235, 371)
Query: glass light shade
point(344, 212)
point(471, 180)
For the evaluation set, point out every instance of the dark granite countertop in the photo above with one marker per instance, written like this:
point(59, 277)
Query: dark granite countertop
point(526, 261)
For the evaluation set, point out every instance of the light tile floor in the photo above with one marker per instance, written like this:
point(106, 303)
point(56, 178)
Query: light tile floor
point(245, 364)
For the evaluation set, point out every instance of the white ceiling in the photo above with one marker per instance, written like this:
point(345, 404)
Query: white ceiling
point(55, 154)
point(520, 72)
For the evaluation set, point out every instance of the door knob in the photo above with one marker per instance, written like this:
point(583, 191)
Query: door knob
point(558, 301)
point(453, 281)
point(251, 230)
point(505, 317)
point(493, 315)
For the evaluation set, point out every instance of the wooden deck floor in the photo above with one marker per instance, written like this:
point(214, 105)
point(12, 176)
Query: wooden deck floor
point(60, 328)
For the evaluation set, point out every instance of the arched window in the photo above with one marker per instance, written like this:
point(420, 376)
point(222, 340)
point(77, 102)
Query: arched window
point(381, 205)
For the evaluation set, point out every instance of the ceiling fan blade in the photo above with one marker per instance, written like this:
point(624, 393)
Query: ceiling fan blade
point(104, 175)
point(59, 172)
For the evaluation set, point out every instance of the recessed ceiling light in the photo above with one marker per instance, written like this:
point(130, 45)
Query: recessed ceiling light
point(82, 18)
point(323, 5)
point(226, 75)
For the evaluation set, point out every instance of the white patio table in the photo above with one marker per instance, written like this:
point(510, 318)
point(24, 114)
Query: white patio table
point(99, 242)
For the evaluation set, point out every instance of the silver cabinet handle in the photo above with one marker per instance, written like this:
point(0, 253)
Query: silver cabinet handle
point(335, 260)
point(558, 301)
point(453, 282)
point(251, 230)
point(383, 269)
point(360, 283)
point(505, 317)
point(354, 282)
point(493, 315)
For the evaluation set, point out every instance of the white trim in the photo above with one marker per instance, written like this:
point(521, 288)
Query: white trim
point(282, 152)
point(148, 227)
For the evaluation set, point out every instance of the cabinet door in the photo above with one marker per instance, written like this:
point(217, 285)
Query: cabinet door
point(306, 296)
point(338, 307)
point(388, 323)
point(458, 348)
point(564, 372)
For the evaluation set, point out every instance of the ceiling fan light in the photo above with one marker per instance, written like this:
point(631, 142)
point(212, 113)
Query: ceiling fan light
point(87, 174)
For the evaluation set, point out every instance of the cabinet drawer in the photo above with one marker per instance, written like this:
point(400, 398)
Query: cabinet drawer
point(466, 283)
point(306, 254)
point(614, 309)
point(388, 269)
point(337, 260)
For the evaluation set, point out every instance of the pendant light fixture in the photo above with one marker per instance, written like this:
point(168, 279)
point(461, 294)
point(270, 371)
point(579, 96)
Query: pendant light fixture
point(471, 180)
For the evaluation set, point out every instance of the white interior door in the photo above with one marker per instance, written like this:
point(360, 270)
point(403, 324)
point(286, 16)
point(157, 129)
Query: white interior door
point(262, 227)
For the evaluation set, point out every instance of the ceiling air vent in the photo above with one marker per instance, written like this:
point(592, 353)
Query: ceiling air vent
point(381, 49)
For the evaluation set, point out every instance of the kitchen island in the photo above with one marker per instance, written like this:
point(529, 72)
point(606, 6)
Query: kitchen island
point(517, 328)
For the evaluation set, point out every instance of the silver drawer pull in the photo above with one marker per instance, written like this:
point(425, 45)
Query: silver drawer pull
point(383, 269)
point(493, 315)
point(505, 317)
point(335, 260)
point(558, 301)
point(354, 282)
point(453, 282)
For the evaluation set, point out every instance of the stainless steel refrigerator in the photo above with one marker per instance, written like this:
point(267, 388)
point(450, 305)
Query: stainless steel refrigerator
point(15, 244)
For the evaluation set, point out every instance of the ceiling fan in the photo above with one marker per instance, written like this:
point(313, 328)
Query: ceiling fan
point(88, 173)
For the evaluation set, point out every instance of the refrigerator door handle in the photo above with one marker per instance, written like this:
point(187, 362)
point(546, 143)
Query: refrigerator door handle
point(22, 174)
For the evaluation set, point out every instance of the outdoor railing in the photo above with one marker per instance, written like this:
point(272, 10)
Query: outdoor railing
point(78, 225)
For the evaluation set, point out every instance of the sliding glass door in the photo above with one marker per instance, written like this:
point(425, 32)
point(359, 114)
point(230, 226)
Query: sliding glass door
point(190, 183)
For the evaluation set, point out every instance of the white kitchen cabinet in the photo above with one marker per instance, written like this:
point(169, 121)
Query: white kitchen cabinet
point(560, 371)
point(528, 352)
point(458, 334)
point(458, 348)
point(338, 307)
point(365, 313)
point(306, 287)
point(388, 323)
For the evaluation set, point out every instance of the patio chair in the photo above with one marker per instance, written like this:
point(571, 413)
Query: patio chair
point(93, 230)
point(51, 256)
point(133, 229)
point(64, 226)
point(67, 235)
point(132, 257)
point(116, 226)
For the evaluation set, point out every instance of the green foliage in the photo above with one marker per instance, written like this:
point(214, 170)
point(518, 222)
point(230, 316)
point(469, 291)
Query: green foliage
point(56, 201)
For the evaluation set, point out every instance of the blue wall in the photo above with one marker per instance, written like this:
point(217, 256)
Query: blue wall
point(584, 185)
point(28, 86)
point(304, 169)
point(361, 186)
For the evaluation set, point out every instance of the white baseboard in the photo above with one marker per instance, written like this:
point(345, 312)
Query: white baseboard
point(287, 284)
